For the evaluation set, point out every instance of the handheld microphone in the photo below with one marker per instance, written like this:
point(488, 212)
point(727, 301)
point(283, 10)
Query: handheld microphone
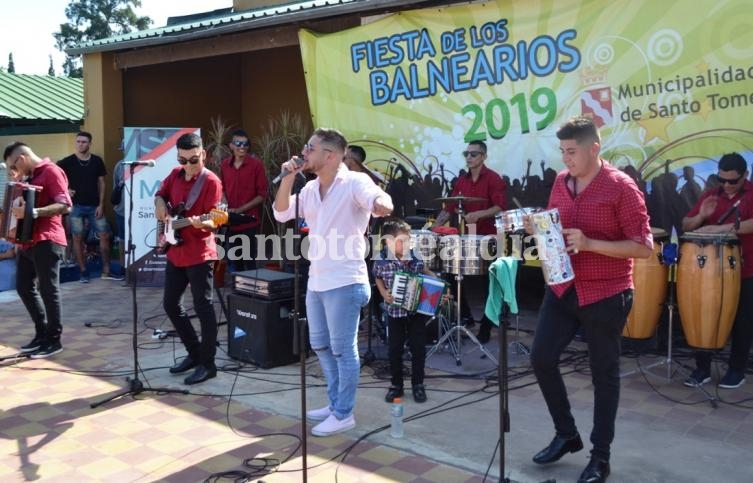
point(298, 162)
point(144, 162)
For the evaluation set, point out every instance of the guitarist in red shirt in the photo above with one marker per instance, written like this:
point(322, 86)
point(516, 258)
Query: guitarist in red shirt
point(199, 191)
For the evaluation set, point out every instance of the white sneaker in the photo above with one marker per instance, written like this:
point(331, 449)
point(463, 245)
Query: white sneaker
point(332, 425)
point(317, 415)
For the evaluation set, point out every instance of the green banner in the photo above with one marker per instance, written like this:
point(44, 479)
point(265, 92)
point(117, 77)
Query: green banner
point(670, 83)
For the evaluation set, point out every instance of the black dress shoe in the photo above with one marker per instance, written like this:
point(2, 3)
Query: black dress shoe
point(393, 392)
point(201, 374)
point(596, 471)
point(183, 366)
point(419, 393)
point(558, 448)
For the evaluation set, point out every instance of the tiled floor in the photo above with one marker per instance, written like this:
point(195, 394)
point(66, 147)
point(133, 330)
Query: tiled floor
point(48, 432)
point(245, 421)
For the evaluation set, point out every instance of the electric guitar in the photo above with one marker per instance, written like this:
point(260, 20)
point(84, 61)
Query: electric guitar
point(168, 232)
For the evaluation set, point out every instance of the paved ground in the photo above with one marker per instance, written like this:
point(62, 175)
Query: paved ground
point(48, 432)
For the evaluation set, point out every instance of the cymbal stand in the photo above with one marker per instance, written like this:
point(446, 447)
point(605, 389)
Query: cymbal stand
point(671, 364)
point(459, 327)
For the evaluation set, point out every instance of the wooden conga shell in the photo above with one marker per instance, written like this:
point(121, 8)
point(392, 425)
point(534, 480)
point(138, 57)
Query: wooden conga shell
point(708, 288)
point(650, 277)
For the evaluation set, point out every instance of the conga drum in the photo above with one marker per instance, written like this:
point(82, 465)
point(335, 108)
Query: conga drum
point(708, 287)
point(650, 279)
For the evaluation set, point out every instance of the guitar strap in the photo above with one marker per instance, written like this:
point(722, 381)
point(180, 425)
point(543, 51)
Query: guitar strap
point(193, 195)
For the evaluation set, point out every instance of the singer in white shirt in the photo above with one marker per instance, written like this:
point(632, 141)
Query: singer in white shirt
point(336, 206)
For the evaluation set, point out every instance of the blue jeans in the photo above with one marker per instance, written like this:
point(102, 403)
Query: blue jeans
point(81, 212)
point(333, 317)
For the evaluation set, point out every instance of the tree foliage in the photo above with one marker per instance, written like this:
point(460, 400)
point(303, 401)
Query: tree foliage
point(94, 20)
point(51, 70)
point(11, 64)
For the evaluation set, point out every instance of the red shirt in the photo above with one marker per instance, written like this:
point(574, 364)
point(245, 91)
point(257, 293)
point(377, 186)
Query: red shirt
point(610, 208)
point(198, 246)
point(242, 185)
point(54, 185)
point(724, 203)
point(489, 186)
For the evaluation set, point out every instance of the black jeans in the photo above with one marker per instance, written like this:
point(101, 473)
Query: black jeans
point(247, 238)
point(200, 277)
point(602, 323)
point(41, 262)
point(741, 335)
point(412, 329)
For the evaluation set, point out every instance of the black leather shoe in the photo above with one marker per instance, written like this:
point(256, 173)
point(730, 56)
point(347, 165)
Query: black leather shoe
point(201, 374)
point(558, 448)
point(392, 393)
point(419, 393)
point(596, 471)
point(483, 336)
point(183, 366)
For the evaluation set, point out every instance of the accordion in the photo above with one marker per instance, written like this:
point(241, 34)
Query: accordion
point(417, 293)
point(18, 194)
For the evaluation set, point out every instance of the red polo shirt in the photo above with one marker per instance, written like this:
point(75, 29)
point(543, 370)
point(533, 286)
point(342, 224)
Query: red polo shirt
point(242, 185)
point(198, 245)
point(611, 208)
point(724, 203)
point(489, 186)
point(54, 185)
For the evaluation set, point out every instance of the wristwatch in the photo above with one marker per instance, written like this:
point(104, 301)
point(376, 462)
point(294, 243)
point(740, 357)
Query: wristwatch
point(35, 213)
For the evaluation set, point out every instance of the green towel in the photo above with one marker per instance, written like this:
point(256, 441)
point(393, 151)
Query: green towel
point(501, 288)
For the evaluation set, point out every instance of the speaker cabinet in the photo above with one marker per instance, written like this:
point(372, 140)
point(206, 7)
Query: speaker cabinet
point(260, 331)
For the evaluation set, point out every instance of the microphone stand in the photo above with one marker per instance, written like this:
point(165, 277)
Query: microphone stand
point(504, 413)
point(135, 386)
point(299, 336)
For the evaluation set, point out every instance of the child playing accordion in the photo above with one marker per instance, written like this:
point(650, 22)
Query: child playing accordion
point(397, 257)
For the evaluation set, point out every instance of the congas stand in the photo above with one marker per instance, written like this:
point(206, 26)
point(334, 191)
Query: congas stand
point(670, 303)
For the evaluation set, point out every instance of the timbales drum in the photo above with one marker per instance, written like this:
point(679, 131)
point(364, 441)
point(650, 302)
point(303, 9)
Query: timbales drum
point(511, 221)
point(425, 245)
point(708, 287)
point(650, 279)
point(467, 254)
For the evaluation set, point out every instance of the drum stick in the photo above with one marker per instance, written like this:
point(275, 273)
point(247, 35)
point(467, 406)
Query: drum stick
point(517, 203)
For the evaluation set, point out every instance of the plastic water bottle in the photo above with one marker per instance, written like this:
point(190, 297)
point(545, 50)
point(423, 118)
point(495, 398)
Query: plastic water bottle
point(396, 426)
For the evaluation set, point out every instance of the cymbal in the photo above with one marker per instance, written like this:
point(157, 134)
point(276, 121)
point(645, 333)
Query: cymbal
point(460, 199)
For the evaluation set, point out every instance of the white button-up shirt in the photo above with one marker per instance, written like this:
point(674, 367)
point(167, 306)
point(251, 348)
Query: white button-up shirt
point(337, 224)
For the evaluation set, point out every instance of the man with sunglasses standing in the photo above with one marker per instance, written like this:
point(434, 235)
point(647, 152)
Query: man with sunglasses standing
point(191, 262)
point(336, 206)
point(478, 182)
point(729, 209)
point(244, 189)
point(38, 265)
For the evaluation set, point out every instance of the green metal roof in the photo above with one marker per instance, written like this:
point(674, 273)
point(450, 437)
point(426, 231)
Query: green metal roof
point(41, 98)
point(222, 21)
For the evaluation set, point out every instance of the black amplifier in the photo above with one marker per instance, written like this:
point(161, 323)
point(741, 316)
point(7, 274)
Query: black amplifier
point(263, 283)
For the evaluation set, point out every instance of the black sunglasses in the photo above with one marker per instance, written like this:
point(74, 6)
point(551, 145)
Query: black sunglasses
point(241, 144)
point(472, 154)
point(194, 160)
point(728, 181)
